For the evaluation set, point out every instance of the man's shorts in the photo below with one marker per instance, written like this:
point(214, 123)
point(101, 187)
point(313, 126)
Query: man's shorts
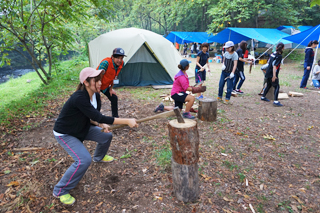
point(179, 99)
point(200, 76)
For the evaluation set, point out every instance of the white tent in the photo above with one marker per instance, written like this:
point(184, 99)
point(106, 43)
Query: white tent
point(151, 59)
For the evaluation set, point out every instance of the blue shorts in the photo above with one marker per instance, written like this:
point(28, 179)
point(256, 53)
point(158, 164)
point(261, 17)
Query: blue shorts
point(179, 99)
point(200, 76)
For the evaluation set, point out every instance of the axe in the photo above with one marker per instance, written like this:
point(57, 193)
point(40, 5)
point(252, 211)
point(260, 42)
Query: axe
point(175, 112)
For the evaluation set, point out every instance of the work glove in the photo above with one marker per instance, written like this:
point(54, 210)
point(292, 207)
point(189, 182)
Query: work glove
point(223, 67)
point(199, 89)
point(231, 75)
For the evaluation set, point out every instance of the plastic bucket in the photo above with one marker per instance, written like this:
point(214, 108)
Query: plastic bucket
point(210, 61)
point(218, 60)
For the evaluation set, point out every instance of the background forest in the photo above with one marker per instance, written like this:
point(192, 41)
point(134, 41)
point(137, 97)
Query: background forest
point(45, 30)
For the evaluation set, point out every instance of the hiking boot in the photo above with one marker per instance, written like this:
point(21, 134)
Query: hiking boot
point(304, 88)
point(219, 99)
point(277, 104)
point(106, 159)
point(239, 91)
point(66, 199)
point(265, 99)
point(200, 97)
point(160, 108)
point(188, 115)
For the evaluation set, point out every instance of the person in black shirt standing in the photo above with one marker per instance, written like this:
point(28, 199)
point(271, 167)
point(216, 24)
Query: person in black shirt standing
point(272, 74)
point(240, 68)
point(80, 119)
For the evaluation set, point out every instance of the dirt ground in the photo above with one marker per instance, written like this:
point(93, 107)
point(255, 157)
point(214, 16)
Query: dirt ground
point(254, 156)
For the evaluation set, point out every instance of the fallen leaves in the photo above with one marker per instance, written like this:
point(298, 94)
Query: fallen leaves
point(269, 137)
point(14, 183)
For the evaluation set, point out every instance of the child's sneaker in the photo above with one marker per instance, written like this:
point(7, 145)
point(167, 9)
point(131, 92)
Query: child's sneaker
point(265, 99)
point(239, 91)
point(278, 104)
point(66, 199)
point(188, 115)
point(106, 159)
point(160, 108)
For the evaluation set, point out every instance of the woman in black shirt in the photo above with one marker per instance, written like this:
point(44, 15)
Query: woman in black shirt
point(80, 119)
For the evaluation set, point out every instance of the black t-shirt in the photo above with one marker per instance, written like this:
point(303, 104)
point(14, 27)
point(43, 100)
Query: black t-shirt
point(185, 46)
point(274, 60)
point(240, 64)
point(203, 58)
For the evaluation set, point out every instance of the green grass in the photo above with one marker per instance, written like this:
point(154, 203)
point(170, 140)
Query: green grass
point(163, 156)
point(20, 100)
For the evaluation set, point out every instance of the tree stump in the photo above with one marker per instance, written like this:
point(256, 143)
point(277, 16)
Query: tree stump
point(270, 94)
point(184, 140)
point(207, 110)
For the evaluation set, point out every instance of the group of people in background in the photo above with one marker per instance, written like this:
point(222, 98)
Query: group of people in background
point(233, 69)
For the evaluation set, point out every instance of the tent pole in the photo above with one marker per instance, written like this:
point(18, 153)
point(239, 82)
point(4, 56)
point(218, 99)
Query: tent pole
point(267, 49)
point(254, 64)
point(299, 43)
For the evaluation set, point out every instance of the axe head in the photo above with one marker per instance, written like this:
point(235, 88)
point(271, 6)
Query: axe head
point(178, 115)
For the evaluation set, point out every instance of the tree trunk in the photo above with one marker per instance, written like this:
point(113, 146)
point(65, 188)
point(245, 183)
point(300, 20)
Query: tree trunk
point(184, 140)
point(207, 110)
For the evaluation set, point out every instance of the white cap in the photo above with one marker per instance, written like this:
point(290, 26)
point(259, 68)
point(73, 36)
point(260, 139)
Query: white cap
point(228, 44)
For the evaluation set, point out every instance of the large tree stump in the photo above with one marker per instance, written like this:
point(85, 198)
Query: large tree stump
point(270, 94)
point(207, 110)
point(184, 140)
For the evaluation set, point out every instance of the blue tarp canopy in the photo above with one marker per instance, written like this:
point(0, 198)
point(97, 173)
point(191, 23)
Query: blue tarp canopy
point(306, 36)
point(189, 37)
point(266, 35)
point(301, 28)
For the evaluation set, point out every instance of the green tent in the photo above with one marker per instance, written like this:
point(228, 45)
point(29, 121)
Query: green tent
point(151, 59)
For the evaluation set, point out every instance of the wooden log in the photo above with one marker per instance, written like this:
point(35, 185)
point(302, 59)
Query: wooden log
point(184, 140)
point(207, 110)
point(270, 94)
point(185, 180)
point(295, 94)
point(282, 96)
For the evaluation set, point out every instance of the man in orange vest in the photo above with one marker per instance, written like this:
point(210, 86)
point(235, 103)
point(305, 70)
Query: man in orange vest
point(112, 66)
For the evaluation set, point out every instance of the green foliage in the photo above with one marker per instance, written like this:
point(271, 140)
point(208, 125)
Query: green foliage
point(44, 26)
point(32, 100)
point(314, 3)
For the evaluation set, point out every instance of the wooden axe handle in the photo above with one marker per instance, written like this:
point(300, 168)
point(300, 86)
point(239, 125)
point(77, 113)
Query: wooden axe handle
point(160, 115)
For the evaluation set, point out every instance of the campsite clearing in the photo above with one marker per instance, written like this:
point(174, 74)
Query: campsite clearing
point(253, 155)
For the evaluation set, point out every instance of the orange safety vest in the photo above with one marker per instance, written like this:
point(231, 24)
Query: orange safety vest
point(177, 46)
point(110, 73)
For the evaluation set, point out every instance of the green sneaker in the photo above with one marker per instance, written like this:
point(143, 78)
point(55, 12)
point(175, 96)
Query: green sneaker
point(67, 199)
point(107, 159)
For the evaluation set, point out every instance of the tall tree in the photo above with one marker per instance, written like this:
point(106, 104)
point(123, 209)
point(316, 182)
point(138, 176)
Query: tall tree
point(41, 26)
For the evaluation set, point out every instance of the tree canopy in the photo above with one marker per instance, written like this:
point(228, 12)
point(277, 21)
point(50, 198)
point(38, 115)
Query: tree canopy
point(41, 27)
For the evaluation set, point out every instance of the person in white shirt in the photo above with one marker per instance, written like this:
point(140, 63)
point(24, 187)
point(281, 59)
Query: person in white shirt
point(316, 76)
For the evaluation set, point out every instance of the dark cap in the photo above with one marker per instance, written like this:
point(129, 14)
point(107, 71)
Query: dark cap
point(118, 51)
point(184, 63)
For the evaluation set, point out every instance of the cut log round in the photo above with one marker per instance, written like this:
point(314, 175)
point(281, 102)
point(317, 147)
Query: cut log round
point(184, 140)
point(207, 110)
point(185, 180)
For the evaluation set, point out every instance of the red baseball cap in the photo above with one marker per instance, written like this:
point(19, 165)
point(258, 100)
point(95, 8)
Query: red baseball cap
point(89, 72)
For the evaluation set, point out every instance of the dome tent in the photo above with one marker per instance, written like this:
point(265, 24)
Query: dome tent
point(151, 59)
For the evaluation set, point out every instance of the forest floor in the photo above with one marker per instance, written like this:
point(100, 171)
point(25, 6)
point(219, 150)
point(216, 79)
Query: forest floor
point(254, 154)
